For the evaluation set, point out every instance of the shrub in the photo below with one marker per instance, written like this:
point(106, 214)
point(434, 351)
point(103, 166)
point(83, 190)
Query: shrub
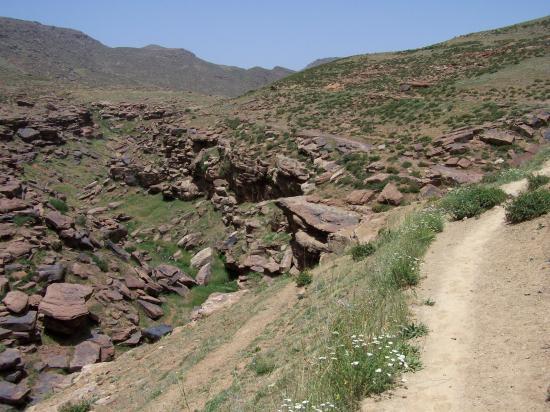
point(101, 264)
point(81, 406)
point(414, 330)
point(361, 251)
point(471, 201)
point(536, 181)
point(22, 220)
point(59, 204)
point(262, 366)
point(303, 279)
point(528, 206)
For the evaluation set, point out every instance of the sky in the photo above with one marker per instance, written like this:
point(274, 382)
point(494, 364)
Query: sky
point(288, 33)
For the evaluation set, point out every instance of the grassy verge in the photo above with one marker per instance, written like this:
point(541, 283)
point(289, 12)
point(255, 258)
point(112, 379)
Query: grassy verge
point(528, 205)
point(470, 201)
point(366, 347)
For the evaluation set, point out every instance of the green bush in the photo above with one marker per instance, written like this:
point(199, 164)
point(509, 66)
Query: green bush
point(303, 279)
point(81, 406)
point(101, 263)
point(471, 201)
point(59, 204)
point(262, 366)
point(536, 181)
point(22, 220)
point(361, 251)
point(528, 206)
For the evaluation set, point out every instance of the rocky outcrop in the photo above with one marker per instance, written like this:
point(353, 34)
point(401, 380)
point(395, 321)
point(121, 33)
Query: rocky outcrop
point(313, 224)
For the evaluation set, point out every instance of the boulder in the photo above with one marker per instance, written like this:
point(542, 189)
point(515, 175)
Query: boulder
point(360, 197)
point(85, 353)
point(498, 137)
point(202, 258)
point(390, 195)
point(16, 301)
point(204, 275)
point(12, 394)
point(318, 217)
point(9, 359)
point(429, 190)
point(58, 222)
point(51, 273)
point(64, 307)
point(190, 241)
point(151, 310)
point(25, 323)
point(216, 302)
point(154, 333)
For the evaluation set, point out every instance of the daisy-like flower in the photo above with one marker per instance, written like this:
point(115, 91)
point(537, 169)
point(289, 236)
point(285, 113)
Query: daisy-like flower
point(354, 363)
point(378, 370)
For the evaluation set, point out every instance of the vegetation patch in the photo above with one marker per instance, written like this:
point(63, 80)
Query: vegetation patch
point(59, 204)
point(303, 279)
point(536, 181)
point(528, 206)
point(470, 201)
point(84, 405)
point(362, 251)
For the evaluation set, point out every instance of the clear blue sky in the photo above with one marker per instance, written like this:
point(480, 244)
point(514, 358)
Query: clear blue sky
point(289, 33)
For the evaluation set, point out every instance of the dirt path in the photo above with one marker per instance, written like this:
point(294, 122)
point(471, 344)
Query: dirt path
point(214, 373)
point(489, 345)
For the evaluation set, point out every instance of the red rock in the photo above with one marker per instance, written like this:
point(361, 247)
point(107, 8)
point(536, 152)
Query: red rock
point(12, 205)
point(204, 275)
point(360, 197)
point(133, 282)
point(151, 310)
point(85, 353)
point(57, 221)
point(16, 301)
point(498, 137)
point(13, 394)
point(9, 359)
point(464, 163)
point(390, 195)
point(64, 306)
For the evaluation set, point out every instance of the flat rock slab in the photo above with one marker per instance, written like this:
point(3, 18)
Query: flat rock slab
point(9, 359)
point(151, 310)
point(16, 301)
point(154, 333)
point(25, 323)
point(65, 301)
point(324, 218)
point(13, 394)
point(85, 353)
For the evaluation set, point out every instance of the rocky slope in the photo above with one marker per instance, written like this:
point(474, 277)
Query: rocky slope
point(120, 221)
point(70, 56)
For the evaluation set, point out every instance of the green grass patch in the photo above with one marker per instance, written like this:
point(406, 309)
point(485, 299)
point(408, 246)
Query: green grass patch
point(262, 365)
point(303, 279)
point(528, 206)
point(536, 181)
point(470, 201)
point(362, 251)
point(84, 405)
point(58, 204)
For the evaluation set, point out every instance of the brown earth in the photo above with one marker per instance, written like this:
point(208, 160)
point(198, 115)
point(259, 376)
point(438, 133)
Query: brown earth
point(488, 347)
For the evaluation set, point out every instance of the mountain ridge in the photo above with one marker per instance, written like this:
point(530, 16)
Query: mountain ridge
point(68, 55)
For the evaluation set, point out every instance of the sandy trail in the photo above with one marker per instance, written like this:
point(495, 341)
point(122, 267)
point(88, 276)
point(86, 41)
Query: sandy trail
point(489, 344)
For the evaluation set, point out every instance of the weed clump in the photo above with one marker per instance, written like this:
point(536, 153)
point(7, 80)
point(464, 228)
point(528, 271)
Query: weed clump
point(262, 366)
point(472, 201)
point(536, 181)
point(303, 279)
point(528, 206)
point(59, 205)
point(362, 251)
point(81, 406)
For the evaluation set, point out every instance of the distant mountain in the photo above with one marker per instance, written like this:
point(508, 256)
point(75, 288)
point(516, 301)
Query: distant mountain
point(30, 48)
point(319, 62)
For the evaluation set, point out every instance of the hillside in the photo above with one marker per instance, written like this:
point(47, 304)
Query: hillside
point(162, 250)
point(69, 56)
